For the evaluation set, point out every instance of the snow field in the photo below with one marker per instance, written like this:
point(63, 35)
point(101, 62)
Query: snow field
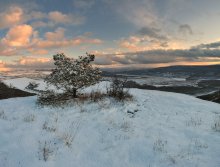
point(161, 129)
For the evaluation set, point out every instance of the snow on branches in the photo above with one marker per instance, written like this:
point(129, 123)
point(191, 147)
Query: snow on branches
point(72, 74)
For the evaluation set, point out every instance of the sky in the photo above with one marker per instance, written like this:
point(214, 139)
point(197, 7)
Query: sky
point(121, 33)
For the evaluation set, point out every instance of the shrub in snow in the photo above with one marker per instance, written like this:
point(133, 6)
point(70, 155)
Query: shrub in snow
point(117, 89)
point(32, 85)
point(216, 125)
point(96, 96)
point(73, 74)
point(46, 150)
point(159, 145)
point(2, 115)
point(67, 139)
point(29, 118)
point(51, 98)
point(48, 128)
point(47, 98)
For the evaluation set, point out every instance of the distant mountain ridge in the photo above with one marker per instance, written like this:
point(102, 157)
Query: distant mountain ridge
point(213, 68)
point(190, 72)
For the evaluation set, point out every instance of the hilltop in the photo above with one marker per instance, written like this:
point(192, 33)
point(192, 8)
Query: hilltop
point(154, 129)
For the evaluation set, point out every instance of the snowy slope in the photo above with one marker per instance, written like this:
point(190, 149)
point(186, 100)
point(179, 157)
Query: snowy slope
point(168, 129)
point(21, 83)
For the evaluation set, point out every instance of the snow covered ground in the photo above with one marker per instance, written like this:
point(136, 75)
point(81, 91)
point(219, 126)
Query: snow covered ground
point(22, 83)
point(156, 129)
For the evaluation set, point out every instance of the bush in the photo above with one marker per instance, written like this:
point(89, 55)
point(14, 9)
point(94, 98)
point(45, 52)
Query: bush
point(32, 85)
point(117, 89)
point(96, 96)
point(51, 98)
point(216, 125)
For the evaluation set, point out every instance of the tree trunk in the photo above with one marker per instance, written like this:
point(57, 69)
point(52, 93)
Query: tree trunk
point(74, 93)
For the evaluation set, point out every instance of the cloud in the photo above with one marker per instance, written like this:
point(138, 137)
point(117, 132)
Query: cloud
point(3, 66)
point(15, 15)
point(24, 39)
point(37, 24)
point(140, 13)
point(213, 45)
point(54, 18)
point(31, 62)
point(38, 51)
point(12, 16)
point(149, 58)
point(152, 32)
point(185, 29)
point(24, 61)
point(157, 18)
point(144, 42)
point(1, 63)
point(102, 60)
point(162, 56)
point(7, 51)
point(18, 36)
point(51, 43)
point(57, 35)
point(58, 17)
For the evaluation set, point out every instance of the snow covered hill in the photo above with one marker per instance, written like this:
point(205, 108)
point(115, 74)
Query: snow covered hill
point(22, 83)
point(156, 129)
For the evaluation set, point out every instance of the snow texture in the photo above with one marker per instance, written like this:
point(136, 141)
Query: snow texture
point(156, 129)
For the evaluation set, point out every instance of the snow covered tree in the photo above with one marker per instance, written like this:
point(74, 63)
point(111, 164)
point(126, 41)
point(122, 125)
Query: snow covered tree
point(72, 74)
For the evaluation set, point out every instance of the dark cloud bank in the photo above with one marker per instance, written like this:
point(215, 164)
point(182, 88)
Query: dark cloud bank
point(196, 53)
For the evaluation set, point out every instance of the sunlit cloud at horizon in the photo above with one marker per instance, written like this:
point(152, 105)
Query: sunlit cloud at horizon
point(121, 33)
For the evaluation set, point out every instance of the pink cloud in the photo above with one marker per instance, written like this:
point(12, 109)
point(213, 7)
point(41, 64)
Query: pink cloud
point(3, 66)
point(57, 35)
point(57, 40)
point(14, 15)
point(18, 36)
point(34, 51)
point(24, 39)
point(59, 17)
point(29, 62)
point(7, 51)
point(33, 60)
point(141, 43)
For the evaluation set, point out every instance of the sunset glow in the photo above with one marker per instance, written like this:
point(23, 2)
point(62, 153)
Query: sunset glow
point(123, 33)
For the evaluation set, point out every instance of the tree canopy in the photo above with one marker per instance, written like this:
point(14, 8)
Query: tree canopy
point(72, 74)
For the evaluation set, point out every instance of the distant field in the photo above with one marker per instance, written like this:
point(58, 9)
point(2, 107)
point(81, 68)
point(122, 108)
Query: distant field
point(199, 87)
point(193, 84)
